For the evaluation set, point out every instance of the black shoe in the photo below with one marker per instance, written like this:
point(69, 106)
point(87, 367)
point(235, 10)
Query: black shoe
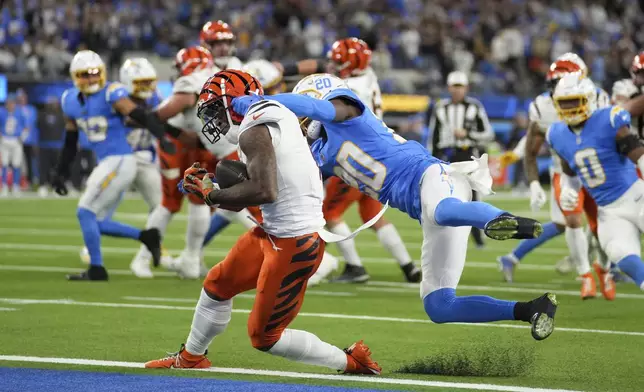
point(95, 272)
point(352, 274)
point(151, 238)
point(412, 273)
point(543, 318)
point(508, 226)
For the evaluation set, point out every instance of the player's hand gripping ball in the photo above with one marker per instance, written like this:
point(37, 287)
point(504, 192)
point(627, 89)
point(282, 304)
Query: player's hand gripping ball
point(198, 181)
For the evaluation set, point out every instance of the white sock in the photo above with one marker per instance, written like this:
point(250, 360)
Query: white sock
point(198, 224)
point(347, 247)
point(304, 347)
point(390, 239)
point(210, 319)
point(578, 246)
point(158, 218)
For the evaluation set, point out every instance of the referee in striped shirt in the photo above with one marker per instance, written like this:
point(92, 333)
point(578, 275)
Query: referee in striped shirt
point(459, 128)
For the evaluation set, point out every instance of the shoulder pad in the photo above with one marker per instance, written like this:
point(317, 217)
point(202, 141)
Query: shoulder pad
point(619, 117)
point(115, 91)
point(344, 93)
point(187, 84)
point(66, 101)
point(603, 99)
point(262, 112)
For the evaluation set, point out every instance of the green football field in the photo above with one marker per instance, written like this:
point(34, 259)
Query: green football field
point(48, 322)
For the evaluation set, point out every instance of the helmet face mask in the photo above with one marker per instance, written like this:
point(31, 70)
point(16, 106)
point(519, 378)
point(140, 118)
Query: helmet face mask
point(215, 102)
point(574, 98)
point(139, 76)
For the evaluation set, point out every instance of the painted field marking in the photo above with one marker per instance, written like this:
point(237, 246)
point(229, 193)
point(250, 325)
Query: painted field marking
point(71, 302)
point(294, 375)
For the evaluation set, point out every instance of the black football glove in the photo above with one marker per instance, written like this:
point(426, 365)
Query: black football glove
point(58, 183)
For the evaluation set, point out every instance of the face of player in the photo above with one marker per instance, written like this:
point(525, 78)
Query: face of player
point(457, 92)
point(221, 49)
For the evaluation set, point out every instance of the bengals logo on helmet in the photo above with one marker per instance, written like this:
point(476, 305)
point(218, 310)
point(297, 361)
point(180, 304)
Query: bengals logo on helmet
point(191, 59)
point(214, 106)
point(351, 56)
point(559, 69)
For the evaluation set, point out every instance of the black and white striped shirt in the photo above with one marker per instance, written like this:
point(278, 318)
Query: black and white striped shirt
point(468, 115)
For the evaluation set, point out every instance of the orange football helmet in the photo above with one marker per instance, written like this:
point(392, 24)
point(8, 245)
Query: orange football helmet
point(214, 106)
point(559, 69)
point(351, 57)
point(191, 59)
point(218, 38)
point(637, 66)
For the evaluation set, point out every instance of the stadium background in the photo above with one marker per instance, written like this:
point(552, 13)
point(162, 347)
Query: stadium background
point(505, 46)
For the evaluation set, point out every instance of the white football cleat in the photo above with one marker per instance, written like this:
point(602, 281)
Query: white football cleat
point(564, 266)
point(328, 264)
point(43, 192)
point(188, 267)
point(140, 267)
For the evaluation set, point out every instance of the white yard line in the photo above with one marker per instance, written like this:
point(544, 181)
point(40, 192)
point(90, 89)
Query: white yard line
point(71, 302)
point(7, 309)
point(75, 249)
point(283, 374)
point(409, 287)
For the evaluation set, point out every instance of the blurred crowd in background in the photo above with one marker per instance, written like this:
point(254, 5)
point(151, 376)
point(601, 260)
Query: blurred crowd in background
point(505, 45)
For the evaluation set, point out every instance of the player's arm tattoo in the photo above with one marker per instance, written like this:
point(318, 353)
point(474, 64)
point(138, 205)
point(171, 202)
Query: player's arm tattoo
point(345, 109)
point(565, 168)
point(261, 187)
point(533, 144)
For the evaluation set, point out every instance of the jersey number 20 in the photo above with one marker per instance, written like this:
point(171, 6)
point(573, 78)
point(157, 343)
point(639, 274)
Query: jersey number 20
point(361, 170)
point(590, 168)
point(94, 127)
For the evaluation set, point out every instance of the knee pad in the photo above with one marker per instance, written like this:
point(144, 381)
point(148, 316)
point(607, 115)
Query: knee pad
point(617, 250)
point(437, 305)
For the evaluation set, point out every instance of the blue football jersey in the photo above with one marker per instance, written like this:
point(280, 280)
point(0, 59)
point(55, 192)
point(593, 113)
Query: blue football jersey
point(592, 154)
point(140, 138)
point(94, 115)
point(369, 156)
point(13, 124)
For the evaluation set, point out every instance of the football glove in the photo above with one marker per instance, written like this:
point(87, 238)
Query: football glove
point(568, 199)
point(537, 196)
point(508, 158)
point(58, 184)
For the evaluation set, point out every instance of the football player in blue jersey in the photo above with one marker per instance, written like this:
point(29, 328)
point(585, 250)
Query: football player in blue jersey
point(352, 143)
point(598, 150)
point(99, 109)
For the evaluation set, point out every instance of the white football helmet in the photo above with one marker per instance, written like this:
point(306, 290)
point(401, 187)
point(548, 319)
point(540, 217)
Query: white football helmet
point(87, 70)
point(319, 85)
point(623, 90)
point(139, 76)
point(574, 58)
point(575, 99)
point(269, 76)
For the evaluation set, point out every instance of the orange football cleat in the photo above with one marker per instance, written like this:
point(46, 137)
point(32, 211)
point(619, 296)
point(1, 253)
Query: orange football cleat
point(359, 360)
point(180, 360)
point(588, 288)
point(606, 282)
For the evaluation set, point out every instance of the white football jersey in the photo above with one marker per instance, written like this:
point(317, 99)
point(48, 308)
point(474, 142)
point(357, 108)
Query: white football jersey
point(367, 88)
point(188, 120)
point(298, 207)
point(231, 62)
point(542, 111)
point(626, 89)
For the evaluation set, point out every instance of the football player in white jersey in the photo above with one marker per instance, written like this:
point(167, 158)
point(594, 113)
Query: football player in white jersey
point(194, 66)
point(625, 89)
point(219, 39)
point(542, 114)
point(277, 258)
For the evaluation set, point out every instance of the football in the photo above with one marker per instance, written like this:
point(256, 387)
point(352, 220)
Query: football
point(229, 173)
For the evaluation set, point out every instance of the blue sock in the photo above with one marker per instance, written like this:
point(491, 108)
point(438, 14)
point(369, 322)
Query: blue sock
point(443, 306)
point(217, 224)
point(550, 230)
point(118, 229)
point(453, 212)
point(632, 266)
point(91, 235)
point(16, 177)
point(5, 174)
